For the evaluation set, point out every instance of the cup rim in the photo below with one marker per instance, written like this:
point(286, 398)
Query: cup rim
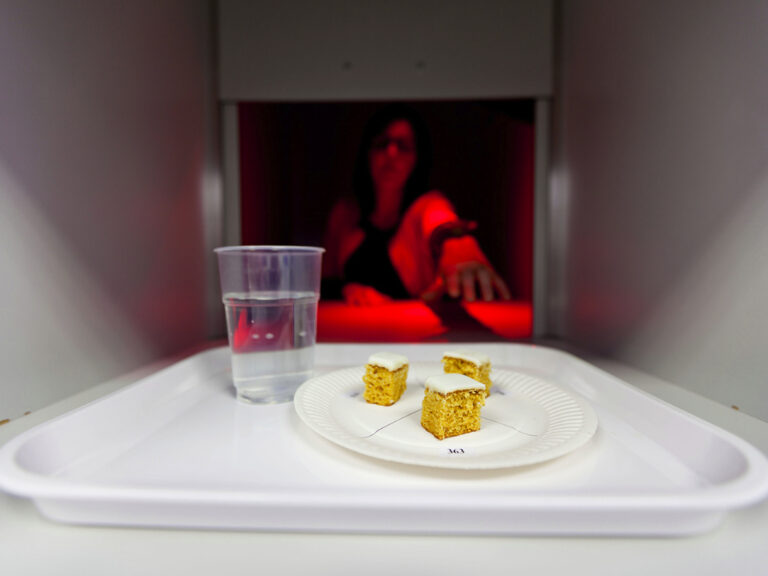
point(270, 249)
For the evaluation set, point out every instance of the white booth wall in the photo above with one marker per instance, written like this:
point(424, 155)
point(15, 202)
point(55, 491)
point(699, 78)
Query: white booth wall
point(662, 170)
point(110, 200)
point(107, 168)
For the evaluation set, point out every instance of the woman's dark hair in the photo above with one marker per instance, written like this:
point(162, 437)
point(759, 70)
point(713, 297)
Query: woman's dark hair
point(417, 183)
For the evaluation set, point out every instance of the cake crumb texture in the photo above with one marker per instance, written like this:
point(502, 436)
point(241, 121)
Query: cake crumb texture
point(452, 414)
point(480, 373)
point(382, 386)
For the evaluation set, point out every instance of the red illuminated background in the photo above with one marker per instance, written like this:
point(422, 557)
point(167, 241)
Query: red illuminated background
point(296, 160)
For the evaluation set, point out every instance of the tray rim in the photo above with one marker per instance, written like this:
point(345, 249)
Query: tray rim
point(744, 490)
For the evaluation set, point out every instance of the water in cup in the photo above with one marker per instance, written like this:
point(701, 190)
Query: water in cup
point(272, 337)
point(270, 296)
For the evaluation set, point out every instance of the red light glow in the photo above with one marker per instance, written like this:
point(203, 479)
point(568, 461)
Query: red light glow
point(414, 321)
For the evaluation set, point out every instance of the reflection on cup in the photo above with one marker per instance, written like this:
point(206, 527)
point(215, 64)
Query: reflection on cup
point(270, 296)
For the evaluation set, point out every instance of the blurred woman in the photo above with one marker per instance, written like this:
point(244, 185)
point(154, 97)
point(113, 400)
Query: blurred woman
point(397, 239)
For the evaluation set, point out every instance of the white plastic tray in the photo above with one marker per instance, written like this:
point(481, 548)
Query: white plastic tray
point(176, 449)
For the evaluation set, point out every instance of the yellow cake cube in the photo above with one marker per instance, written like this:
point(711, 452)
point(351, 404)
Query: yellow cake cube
point(385, 378)
point(473, 364)
point(451, 405)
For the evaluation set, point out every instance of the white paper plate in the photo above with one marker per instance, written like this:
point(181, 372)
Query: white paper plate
point(525, 421)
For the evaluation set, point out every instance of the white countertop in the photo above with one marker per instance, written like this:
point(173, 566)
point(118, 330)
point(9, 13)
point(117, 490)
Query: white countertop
point(31, 545)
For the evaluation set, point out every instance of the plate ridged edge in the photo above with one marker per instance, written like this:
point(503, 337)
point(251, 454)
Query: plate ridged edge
point(572, 421)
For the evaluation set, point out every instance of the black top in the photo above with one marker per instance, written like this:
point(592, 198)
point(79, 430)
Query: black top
point(370, 264)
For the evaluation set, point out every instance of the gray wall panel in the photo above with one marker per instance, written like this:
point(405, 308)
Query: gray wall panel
point(107, 158)
point(663, 164)
point(337, 50)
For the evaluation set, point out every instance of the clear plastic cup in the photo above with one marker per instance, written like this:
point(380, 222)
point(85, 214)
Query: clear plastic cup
point(270, 296)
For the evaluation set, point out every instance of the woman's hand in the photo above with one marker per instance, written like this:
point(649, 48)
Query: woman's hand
point(361, 295)
point(462, 281)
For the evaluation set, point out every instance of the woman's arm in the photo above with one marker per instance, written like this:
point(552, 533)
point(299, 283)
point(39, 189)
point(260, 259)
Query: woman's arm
point(461, 266)
point(342, 237)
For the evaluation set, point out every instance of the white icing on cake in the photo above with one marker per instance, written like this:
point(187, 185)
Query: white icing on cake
point(447, 383)
point(473, 357)
point(388, 360)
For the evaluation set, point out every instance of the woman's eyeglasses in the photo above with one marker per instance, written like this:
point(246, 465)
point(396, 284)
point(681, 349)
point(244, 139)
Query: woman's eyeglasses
point(403, 146)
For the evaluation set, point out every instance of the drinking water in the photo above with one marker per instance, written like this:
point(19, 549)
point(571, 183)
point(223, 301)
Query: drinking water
point(272, 338)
